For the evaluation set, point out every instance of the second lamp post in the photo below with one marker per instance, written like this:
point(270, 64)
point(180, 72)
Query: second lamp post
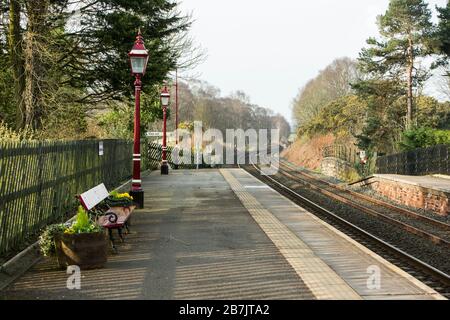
point(138, 60)
point(165, 101)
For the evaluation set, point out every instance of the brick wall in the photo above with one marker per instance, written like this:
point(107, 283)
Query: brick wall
point(413, 196)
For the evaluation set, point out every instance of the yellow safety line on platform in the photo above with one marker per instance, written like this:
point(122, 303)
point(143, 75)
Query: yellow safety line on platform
point(323, 282)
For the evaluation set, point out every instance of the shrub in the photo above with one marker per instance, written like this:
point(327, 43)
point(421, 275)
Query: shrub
point(423, 137)
point(47, 238)
point(7, 134)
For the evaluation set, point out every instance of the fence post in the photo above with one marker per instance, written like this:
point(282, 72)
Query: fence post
point(446, 159)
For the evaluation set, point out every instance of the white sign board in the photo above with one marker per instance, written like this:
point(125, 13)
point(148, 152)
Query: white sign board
point(94, 196)
point(100, 148)
point(154, 134)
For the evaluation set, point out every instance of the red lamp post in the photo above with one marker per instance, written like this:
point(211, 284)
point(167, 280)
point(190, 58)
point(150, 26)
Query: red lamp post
point(176, 107)
point(138, 60)
point(176, 116)
point(165, 100)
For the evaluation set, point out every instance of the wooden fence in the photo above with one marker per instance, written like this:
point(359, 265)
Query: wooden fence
point(39, 181)
point(424, 161)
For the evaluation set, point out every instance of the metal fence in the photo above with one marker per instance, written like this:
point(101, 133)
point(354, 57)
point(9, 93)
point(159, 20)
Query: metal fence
point(432, 160)
point(351, 155)
point(39, 181)
point(342, 152)
point(153, 156)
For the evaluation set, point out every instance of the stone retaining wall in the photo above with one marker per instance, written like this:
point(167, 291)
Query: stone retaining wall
point(337, 168)
point(413, 195)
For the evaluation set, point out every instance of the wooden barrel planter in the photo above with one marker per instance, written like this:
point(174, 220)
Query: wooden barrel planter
point(86, 250)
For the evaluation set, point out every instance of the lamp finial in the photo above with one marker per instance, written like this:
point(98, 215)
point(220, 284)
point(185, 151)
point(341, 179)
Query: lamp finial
point(139, 37)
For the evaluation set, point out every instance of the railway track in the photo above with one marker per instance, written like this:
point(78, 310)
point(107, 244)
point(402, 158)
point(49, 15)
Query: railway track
point(433, 277)
point(436, 231)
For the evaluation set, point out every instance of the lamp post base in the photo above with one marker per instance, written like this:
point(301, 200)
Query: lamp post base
point(138, 198)
point(164, 168)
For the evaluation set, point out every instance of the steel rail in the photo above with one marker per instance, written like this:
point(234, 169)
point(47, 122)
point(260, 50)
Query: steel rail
point(421, 233)
point(437, 274)
point(397, 209)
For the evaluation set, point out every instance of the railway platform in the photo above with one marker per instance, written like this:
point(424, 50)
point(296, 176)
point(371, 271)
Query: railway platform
point(422, 192)
point(434, 182)
point(437, 182)
point(223, 234)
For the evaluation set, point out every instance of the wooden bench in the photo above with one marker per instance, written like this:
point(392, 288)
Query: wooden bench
point(108, 217)
point(116, 218)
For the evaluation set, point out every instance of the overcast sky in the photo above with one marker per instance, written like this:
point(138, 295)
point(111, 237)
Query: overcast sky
point(269, 49)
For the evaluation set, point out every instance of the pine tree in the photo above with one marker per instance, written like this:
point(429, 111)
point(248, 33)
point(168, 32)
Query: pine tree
point(442, 37)
point(443, 31)
point(75, 52)
point(108, 29)
point(406, 30)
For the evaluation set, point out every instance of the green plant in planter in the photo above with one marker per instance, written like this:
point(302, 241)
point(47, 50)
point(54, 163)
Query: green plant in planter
point(82, 224)
point(116, 199)
point(81, 242)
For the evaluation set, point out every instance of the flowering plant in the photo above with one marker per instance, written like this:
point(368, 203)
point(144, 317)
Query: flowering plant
point(82, 224)
point(116, 199)
point(120, 196)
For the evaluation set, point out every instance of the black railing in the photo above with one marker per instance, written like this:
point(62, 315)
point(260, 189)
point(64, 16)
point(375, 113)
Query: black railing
point(424, 161)
point(153, 156)
point(39, 181)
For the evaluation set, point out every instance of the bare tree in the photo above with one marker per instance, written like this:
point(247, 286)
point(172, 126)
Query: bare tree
point(331, 83)
point(443, 82)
